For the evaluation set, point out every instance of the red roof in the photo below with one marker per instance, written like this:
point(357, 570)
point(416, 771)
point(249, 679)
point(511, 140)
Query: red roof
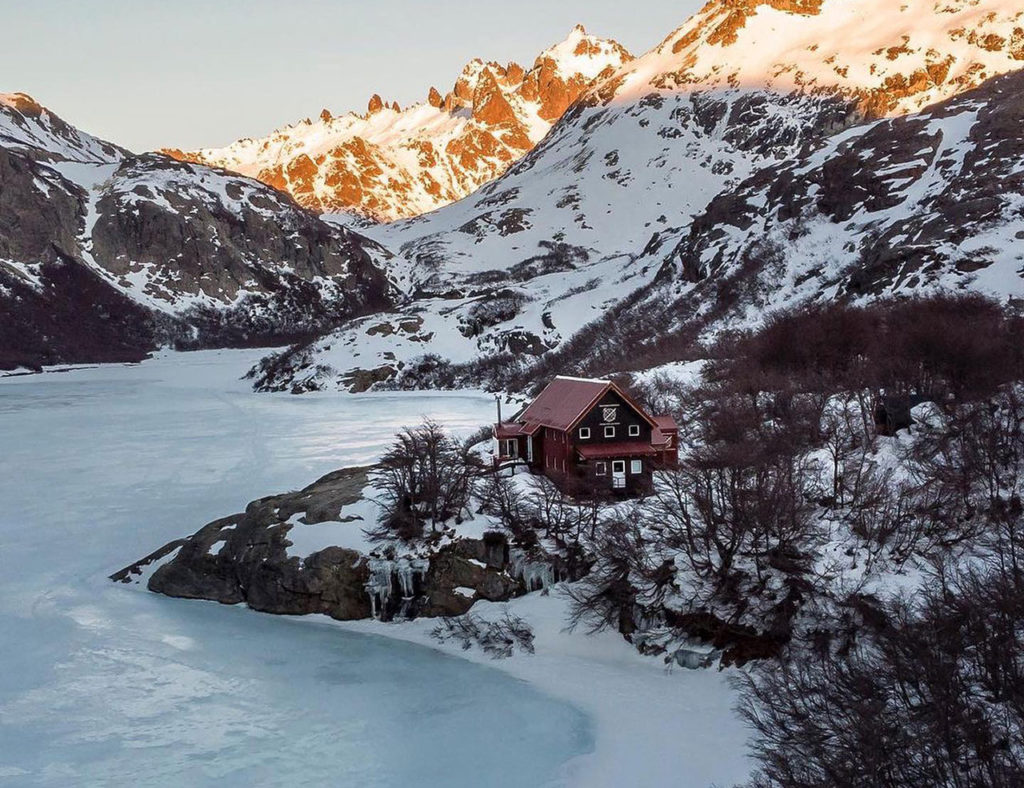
point(600, 451)
point(507, 430)
point(511, 429)
point(666, 423)
point(564, 401)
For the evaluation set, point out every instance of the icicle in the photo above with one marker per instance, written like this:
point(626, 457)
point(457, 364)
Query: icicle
point(536, 575)
point(382, 581)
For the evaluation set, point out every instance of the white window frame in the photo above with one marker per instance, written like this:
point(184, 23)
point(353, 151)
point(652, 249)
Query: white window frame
point(511, 448)
point(600, 468)
point(634, 430)
point(636, 467)
point(584, 433)
point(619, 473)
point(609, 431)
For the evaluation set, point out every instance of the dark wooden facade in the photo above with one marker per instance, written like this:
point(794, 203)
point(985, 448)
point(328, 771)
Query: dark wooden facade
point(588, 435)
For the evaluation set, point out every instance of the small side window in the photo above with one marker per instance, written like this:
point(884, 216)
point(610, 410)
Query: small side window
point(601, 468)
point(634, 430)
point(636, 467)
point(609, 432)
point(584, 433)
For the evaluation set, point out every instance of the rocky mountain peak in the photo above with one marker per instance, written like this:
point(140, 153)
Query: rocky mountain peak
point(392, 163)
point(582, 54)
point(22, 102)
point(28, 126)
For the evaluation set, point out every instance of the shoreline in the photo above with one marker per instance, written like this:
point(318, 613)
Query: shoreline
point(652, 726)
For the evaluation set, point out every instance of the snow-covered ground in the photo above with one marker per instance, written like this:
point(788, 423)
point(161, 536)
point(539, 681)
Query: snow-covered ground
point(99, 683)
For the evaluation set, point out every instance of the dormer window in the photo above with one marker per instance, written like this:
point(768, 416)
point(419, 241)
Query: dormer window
point(634, 430)
point(609, 432)
point(584, 433)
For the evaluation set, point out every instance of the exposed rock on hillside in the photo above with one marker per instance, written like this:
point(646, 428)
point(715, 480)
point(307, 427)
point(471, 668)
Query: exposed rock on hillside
point(910, 205)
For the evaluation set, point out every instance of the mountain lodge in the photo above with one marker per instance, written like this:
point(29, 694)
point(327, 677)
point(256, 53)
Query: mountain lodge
point(588, 434)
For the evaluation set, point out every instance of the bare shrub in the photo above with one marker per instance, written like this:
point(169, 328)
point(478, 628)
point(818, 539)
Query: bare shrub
point(500, 497)
point(607, 596)
point(561, 516)
point(426, 477)
point(935, 698)
point(498, 638)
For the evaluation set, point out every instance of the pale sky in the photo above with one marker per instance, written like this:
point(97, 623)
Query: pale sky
point(195, 73)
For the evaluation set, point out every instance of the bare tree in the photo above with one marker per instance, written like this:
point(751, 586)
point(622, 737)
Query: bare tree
point(500, 496)
point(935, 697)
point(426, 477)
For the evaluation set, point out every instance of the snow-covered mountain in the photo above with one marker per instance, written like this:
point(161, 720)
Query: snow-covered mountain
point(32, 130)
point(894, 57)
point(586, 221)
point(393, 163)
point(934, 199)
point(104, 254)
point(764, 153)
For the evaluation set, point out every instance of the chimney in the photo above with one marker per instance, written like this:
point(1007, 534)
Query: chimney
point(497, 398)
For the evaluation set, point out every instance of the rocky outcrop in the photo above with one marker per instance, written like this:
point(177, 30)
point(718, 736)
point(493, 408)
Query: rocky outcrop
point(905, 57)
point(29, 128)
point(247, 558)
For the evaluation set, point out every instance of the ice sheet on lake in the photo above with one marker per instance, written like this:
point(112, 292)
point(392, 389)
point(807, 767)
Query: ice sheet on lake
point(101, 683)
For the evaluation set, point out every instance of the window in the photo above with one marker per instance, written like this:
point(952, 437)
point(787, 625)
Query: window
point(609, 432)
point(600, 468)
point(584, 433)
point(634, 430)
point(511, 448)
point(636, 466)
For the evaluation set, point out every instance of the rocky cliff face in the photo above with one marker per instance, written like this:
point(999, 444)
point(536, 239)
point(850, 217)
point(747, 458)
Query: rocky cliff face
point(104, 254)
point(892, 58)
point(392, 163)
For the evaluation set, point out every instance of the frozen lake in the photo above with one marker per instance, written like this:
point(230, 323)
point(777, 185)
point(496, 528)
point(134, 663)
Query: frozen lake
point(102, 683)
